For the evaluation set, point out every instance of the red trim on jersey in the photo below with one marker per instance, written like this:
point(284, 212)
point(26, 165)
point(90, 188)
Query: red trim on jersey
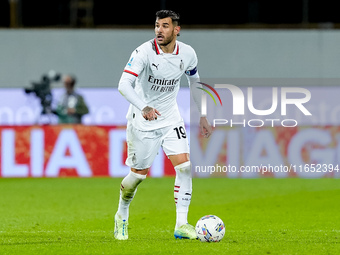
point(156, 47)
point(177, 49)
point(127, 71)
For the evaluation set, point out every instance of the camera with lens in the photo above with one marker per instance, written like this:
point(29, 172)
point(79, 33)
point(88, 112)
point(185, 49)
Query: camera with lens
point(42, 90)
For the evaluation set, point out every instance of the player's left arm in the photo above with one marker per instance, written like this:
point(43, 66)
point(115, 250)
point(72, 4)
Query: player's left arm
point(193, 79)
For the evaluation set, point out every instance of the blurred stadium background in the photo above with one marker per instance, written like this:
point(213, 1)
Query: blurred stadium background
point(93, 39)
point(258, 43)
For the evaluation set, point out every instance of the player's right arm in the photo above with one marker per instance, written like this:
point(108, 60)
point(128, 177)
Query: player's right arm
point(125, 88)
point(132, 70)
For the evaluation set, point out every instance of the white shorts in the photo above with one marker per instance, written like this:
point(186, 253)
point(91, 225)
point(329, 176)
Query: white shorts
point(143, 146)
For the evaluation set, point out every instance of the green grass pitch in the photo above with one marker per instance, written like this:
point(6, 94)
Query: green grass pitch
point(262, 216)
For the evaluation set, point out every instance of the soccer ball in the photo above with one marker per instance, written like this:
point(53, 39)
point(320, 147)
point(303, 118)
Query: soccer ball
point(210, 228)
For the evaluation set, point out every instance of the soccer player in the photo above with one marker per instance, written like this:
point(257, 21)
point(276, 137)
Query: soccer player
point(154, 119)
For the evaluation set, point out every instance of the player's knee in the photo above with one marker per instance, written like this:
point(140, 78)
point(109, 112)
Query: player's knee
point(138, 177)
point(131, 181)
point(184, 167)
point(140, 171)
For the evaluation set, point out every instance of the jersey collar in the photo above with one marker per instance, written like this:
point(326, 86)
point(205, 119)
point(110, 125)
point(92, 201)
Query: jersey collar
point(159, 50)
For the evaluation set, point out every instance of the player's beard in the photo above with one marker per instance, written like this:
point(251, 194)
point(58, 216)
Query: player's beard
point(167, 40)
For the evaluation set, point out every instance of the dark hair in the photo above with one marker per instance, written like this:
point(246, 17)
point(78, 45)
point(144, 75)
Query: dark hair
point(167, 13)
point(73, 79)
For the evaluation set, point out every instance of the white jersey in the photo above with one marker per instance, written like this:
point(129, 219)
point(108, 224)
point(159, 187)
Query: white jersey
point(158, 81)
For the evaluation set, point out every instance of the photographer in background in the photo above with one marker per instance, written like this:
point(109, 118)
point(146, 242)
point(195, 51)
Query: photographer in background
point(71, 106)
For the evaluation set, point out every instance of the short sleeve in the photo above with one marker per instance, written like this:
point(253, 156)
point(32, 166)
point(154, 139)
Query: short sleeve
point(192, 68)
point(136, 62)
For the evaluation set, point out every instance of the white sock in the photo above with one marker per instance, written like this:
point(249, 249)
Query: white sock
point(182, 192)
point(128, 188)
